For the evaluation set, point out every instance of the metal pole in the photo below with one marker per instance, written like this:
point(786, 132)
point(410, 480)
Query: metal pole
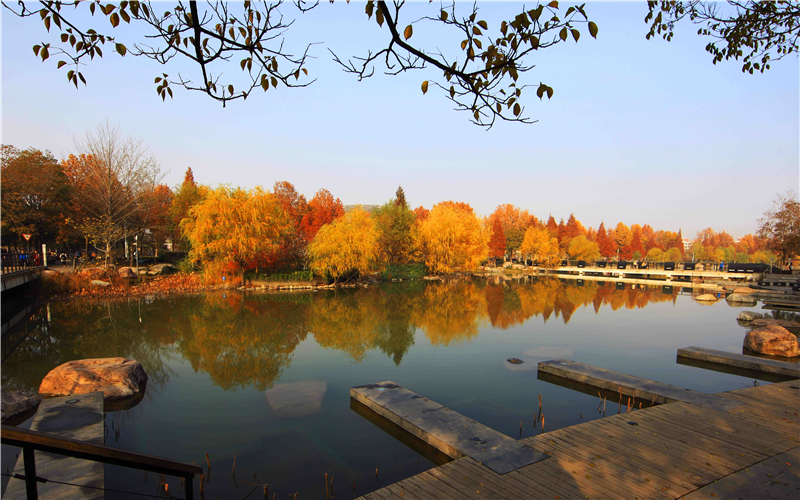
point(30, 473)
point(44, 254)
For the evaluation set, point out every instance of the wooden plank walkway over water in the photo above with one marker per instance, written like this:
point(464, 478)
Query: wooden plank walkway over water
point(674, 450)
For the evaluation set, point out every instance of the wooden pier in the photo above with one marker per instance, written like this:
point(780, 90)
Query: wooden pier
point(752, 363)
point(650, 274)
point(674, 450)
point(77, 417)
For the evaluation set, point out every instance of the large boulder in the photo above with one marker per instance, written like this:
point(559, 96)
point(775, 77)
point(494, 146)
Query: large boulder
point(126, 272)
point(774, 340)
point(100, 283)
point(163, 269)
point(743, 290)
point(740, 298)
point(18, 402)
point(116, 377)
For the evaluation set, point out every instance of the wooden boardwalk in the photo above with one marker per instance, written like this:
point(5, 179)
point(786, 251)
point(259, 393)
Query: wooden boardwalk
point(674, 450)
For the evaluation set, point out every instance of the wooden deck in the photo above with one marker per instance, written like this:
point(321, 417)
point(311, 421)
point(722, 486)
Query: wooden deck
point(674, 450)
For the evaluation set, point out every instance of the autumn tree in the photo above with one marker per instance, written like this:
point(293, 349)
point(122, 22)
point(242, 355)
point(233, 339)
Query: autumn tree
point(515, 222)
point(453, 238)
point(292, 251)
point(636, 243)
point(35, 195)
point(541, 246)
point(156, 218)
point(187, 195)
point(231, 227)
point(497, 243)
point(397, 231)
point(421, 213)
point(552, 226)
point(115, 188)
point(400, 198)
point(606, 245)
point(348, 243)
point(481, 74)
point(622, 235)
point(580, 248)
point(780, 226)
point(322, 209)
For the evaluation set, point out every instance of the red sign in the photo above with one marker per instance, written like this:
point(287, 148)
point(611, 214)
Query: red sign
point(27, 237)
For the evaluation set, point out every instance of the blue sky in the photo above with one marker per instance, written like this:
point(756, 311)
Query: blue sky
point(637, 131)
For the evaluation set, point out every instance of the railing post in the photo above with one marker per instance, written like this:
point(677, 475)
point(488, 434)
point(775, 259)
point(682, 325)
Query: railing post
point(30, 473)
point(189, 487)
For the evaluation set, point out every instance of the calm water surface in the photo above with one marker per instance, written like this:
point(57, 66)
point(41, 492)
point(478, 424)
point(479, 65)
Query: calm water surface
point(266, 377)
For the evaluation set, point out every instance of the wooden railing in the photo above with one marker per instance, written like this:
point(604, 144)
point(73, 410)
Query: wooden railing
point(32, 440)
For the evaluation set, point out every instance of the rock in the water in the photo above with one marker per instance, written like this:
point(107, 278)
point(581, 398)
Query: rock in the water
point(740, 298)
point(745, 316)
point(126, 272)
point(93, 272)
point(706, 297)
point(297, 399)
point(116, 377)
point(774, 340)
point(16, 402)
point(100, 283)
point(515, 361)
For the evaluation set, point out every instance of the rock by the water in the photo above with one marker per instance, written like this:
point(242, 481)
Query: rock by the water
point(49, 273)
point(743, 290)
point(515, 361)
point(706, 297)
point(774, 340)
point(745, 316)
point(740, 298)
point(93, 272)
point(100, 283)
point(126, 272)
point(16, 402)
point(116, 377)
point(163, 269)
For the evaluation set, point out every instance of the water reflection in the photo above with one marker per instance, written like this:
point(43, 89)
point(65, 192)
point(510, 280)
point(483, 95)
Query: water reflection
point(249, 340)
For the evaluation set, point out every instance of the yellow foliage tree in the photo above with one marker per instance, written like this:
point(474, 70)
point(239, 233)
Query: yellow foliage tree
point(349, 242)
point(234, 226)
point(539, 244)
point(453, 238)
point(581, 248)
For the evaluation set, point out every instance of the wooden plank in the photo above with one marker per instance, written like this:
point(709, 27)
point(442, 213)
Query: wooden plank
point(631, 482)
point(450, 432)
point(400, 492)
point(633, 386)
point(775, 478)
point(445, 490)
point(741, 361)
point(505, 486)
point(457, 484)
point(601, 451)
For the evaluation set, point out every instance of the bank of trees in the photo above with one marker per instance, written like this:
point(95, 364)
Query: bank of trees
point(109, 191)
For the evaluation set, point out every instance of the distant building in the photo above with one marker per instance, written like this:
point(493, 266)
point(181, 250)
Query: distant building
point(687, 244)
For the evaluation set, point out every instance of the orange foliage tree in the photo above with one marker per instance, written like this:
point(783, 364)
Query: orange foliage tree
point(348, 243)
point(515, 222)
point(497, 243)
point(322, 209)
point(186, 196)
point(543, 247)
point(231, 227)
point(453, 238)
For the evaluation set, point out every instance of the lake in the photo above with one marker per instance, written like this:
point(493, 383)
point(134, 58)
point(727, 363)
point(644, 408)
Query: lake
point(265, 377)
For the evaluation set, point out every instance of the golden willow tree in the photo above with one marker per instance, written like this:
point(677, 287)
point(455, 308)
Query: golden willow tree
point(231, 227)
point(454, 238)
point(346, 244)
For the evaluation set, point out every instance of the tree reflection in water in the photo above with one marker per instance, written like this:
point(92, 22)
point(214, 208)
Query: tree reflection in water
point(248, 340)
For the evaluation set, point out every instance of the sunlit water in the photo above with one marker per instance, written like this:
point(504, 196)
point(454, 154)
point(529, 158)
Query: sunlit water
point(266, 377)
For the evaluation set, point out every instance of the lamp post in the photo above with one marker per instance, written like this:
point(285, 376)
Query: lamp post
point(136, 252)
